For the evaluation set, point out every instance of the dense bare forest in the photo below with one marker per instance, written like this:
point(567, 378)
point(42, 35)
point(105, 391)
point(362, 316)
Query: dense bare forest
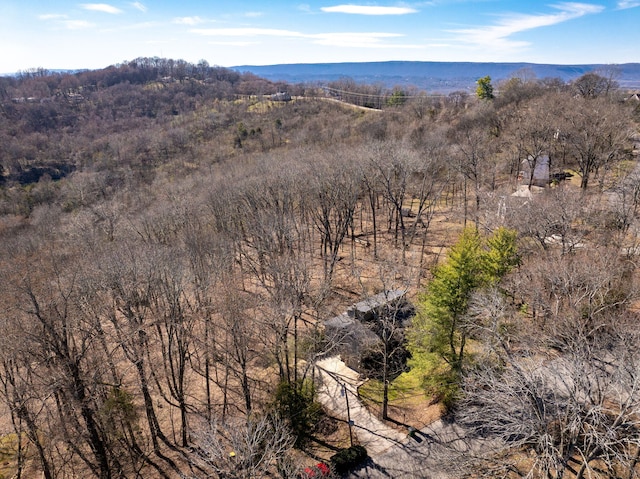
point(175, 237)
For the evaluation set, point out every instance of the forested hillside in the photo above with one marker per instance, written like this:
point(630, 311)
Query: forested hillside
point(175, 237)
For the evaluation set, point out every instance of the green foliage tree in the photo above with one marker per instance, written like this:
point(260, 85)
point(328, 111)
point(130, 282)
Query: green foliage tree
point(295, 403)
point(439, 333)
point(397, 98)
point(485, 88)
point(501, 255)
point(346, 459)
point(447, 296)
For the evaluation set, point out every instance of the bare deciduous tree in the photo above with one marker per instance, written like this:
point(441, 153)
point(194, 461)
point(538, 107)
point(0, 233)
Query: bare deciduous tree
point(548, 413)
point(259, 447)
point(595, 131)
point(333, 200)
point(473, 139)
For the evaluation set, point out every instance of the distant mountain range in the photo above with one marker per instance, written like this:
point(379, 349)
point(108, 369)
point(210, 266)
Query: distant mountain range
point(434, 76)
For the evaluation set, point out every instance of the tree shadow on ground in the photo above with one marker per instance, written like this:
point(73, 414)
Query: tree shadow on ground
point(412, 432)
point(398, 423)
point(365, 467)
point(323, 443)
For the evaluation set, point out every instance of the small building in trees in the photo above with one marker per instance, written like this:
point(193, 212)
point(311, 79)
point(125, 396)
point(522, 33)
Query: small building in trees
point(281, 96)
point(356, 328)
point(372, 307)
point(534, 171)
point(352, 337)
point(635, 140)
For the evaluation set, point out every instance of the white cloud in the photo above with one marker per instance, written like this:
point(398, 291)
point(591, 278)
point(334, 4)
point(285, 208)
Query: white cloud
point(101, 7)
point(253, 14)
point(139, 6)
point(339, 39)
point(623, 4)
point(497, 35)
point(245, 32)
point(188, 20)
point(369, 10)
point(358, 40)
point(52, 16)
point(62, 20)
point(140, 26)
point(233, 44)
point(77, 24)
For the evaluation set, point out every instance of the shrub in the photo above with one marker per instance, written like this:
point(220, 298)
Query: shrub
point(346, 459)
point(295, 402)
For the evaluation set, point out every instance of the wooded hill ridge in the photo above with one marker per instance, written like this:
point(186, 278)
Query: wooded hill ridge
point(175, 238)
point(443, 77)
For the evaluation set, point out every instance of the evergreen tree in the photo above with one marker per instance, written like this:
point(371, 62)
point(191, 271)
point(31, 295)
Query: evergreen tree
point(501, 255)
point(447, 296)
point(438, 335)
point(485, 88)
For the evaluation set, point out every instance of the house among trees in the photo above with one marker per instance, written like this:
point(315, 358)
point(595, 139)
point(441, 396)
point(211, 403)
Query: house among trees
point(534, 171)
point(369, 308)
point(281, 96)
point(635, 139)
point(358, 328)
point(74, 98)
point(373, 306)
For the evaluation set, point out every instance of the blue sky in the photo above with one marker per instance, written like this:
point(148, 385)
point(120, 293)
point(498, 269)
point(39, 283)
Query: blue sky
point(80, 34)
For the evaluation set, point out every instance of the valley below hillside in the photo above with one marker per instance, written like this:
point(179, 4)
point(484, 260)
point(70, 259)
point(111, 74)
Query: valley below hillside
point(436, 77)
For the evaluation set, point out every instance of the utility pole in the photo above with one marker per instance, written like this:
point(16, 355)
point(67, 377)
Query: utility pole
point(344, 393)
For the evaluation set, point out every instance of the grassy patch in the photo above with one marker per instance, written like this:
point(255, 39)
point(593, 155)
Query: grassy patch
point(8, 445)
point(404, 387)
point(408, 383)
point(371, 391)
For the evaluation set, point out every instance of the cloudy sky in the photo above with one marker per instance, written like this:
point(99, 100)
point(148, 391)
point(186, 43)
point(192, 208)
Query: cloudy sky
point(64, 34)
